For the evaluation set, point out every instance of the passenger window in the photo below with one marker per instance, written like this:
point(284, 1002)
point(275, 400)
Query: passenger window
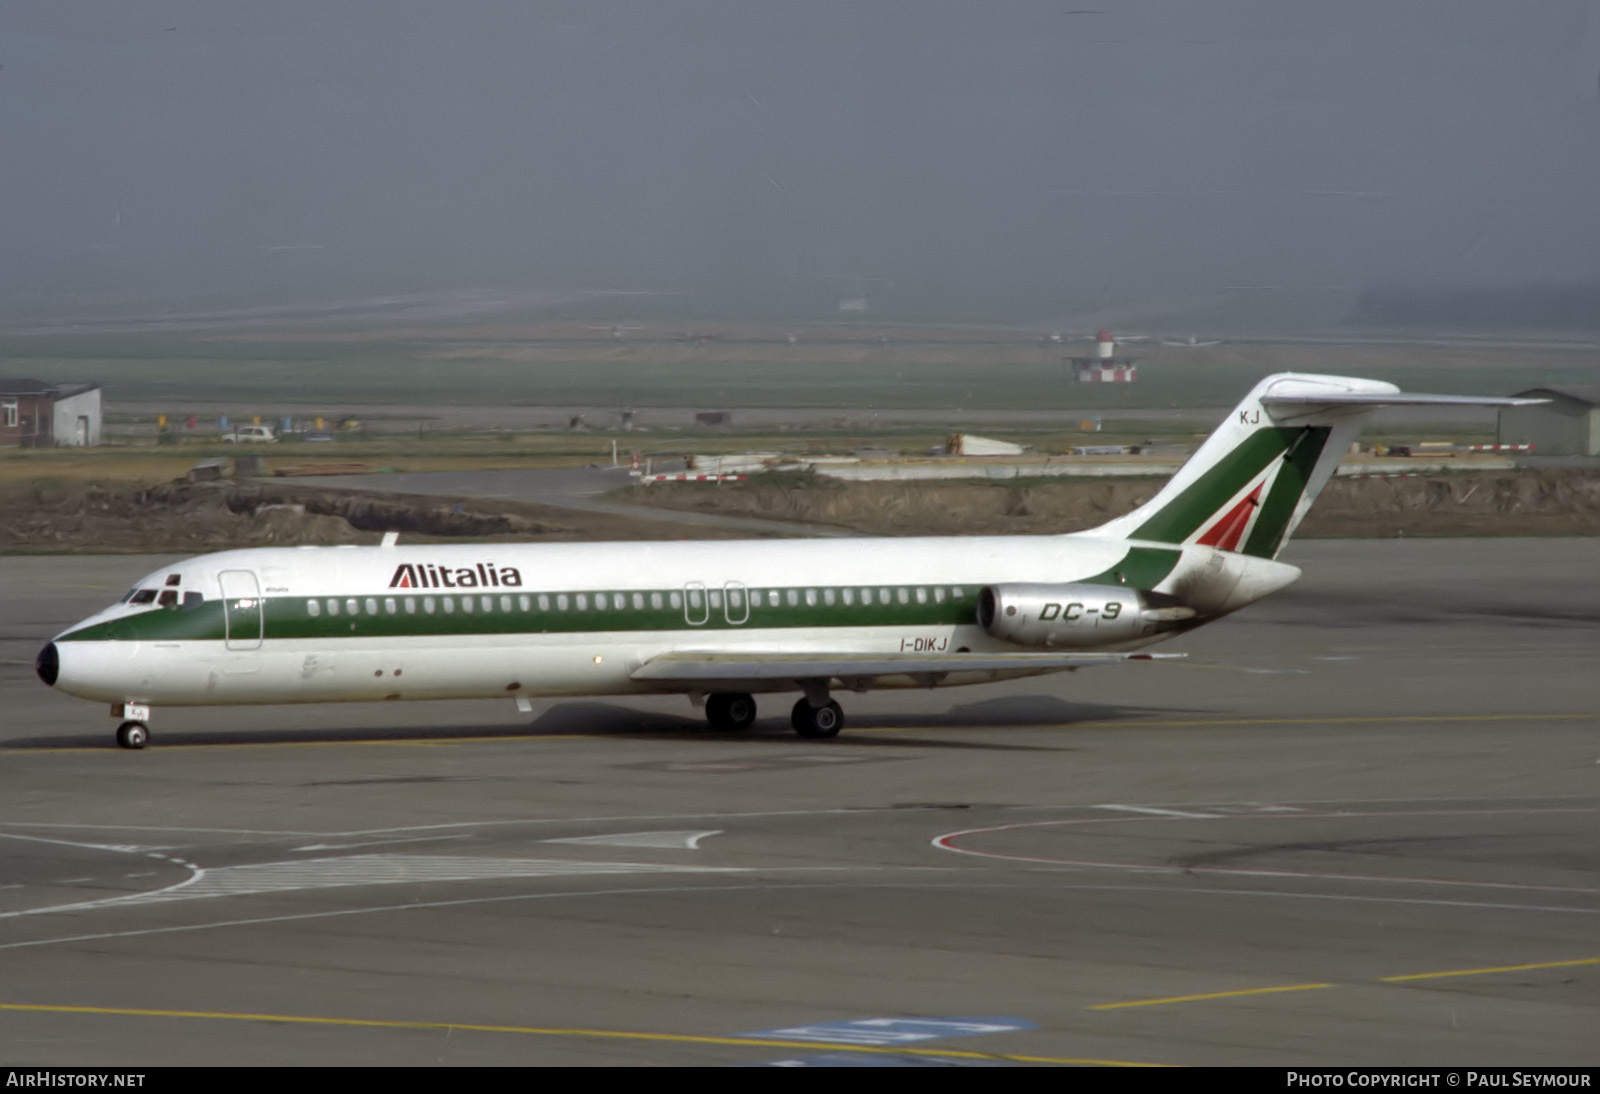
point(883, 596)
point(524, 603)
point(735, 598)
point(792, 596)
point(638, 602)
point(716, 599)
point(811, 598)
point(372, 606)
point(676, 600)
point(772, 598)
point(922, 596)
point(467, 604)
point(448, 603)
point(505, 603)
point(655, 601)
point(956, 593)
point(561, 602)
point(313, 609)
point(351, 607)
point(333, 606)
point(427, 604)
point(389, 605)
point(582, 600)
point(544, 602)
point(411, 605)
point(903, 595)
point(694, 598)
point(938, 594)
point(849, 596)
point(827, 597)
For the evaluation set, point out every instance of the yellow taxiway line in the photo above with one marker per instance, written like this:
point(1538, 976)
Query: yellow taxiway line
point(1377, 980)
point(541, 1031)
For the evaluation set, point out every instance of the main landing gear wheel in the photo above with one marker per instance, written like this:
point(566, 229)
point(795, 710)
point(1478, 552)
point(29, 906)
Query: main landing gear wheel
point(817, 722)
point(730, 710)
point(133, 735)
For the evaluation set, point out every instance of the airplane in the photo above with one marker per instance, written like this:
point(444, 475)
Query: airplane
point(1190, 342)
point(721, 622)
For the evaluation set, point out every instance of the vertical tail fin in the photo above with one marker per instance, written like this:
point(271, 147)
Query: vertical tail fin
point(1249, 485)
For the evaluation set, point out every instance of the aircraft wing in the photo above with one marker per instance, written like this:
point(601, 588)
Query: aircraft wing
point(860, 671)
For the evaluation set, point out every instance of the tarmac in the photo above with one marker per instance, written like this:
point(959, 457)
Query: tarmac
point(1357, 826)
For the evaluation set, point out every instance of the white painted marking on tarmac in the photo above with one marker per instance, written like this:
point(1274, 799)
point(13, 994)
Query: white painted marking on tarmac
point(352, 870)
point(374, 843)
point(964, 884)
point(678, 841)
point(119, 848)
point(1160, 812)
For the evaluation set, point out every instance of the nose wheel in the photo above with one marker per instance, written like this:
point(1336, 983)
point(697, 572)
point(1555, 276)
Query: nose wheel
point(133, 735)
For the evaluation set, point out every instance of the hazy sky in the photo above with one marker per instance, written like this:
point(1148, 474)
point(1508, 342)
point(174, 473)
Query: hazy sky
point(1007, 155)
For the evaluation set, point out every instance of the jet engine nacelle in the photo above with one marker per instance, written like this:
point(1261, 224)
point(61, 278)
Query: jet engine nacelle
point(1069, 616)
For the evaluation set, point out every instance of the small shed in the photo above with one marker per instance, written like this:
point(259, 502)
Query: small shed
point(35, 414)
point(1568, 425)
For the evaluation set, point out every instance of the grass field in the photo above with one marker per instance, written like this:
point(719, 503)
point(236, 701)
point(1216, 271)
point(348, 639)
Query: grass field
point(348, 373)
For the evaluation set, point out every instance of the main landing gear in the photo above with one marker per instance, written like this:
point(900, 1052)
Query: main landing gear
point(817, 721)
point(731, 711)
point(135, 731)
point(816, 716)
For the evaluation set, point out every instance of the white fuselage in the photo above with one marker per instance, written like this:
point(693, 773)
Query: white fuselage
point(282, 625)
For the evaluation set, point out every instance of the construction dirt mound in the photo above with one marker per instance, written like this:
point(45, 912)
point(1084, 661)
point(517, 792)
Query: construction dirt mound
point(61, 516)
point(1504, 503)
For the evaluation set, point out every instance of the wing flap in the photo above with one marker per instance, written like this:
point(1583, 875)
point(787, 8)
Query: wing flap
point(857, 670)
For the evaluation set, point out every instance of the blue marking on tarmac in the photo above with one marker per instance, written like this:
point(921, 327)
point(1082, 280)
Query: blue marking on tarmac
point(890, 1032)
point(855, 1059)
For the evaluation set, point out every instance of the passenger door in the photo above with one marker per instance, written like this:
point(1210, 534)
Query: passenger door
point(243, 618)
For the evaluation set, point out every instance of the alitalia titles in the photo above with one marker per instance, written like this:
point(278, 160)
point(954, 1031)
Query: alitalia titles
point(427, 575)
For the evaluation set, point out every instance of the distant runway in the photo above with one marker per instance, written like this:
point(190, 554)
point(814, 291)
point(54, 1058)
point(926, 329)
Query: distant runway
point(1356, 827)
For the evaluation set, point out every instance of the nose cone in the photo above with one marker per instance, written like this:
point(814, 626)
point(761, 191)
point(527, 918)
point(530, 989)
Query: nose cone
point(48, 664)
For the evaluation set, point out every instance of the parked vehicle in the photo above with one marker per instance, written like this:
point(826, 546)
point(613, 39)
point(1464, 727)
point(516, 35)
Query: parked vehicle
point(251, 434)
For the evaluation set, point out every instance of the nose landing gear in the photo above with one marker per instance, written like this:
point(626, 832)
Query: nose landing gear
point(134, 732)
point(133, 735)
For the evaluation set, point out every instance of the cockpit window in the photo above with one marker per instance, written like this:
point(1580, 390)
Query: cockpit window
point(168, 598)
point(192, 600)
point(142, 596)
point(173, 579)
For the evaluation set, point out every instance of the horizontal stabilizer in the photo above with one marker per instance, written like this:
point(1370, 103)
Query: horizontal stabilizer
point(750, 668)
point(1397, 398)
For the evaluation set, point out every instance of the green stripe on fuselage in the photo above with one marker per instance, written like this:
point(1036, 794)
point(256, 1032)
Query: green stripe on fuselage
point(396, 614)
point(1141, 568)
point(406, 614)
point(1184, 515)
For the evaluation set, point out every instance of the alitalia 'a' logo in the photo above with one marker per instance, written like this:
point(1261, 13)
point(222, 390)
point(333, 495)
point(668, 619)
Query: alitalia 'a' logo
point(427, 575)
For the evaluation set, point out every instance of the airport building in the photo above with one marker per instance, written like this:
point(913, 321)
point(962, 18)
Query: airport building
point(1568, 425)
point(34, 414)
